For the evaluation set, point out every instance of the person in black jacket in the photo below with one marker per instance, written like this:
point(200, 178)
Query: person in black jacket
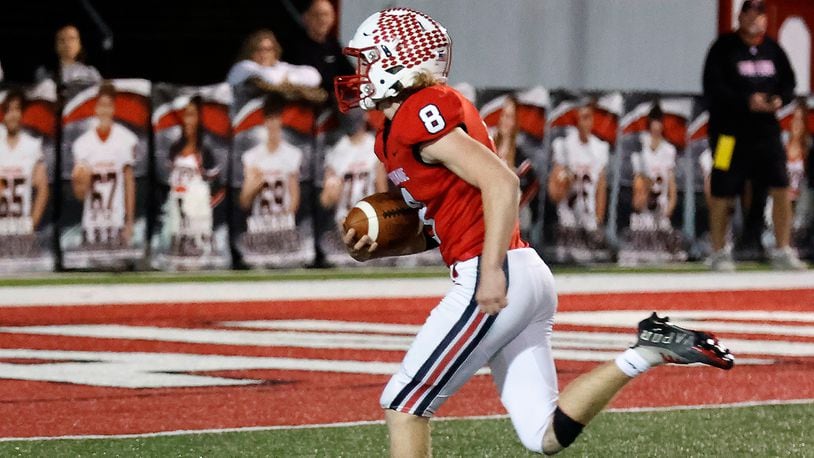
point(747, 77)
point(319, 48)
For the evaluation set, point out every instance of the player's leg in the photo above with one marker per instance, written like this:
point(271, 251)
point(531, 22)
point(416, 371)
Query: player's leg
point(455, 342)
point(523, 370)
point(409, 434)
point(724, 186)
point(444, 355)
point(659, 342)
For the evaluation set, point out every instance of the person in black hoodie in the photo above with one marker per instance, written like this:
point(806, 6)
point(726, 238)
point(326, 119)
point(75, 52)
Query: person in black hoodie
point(747, 77)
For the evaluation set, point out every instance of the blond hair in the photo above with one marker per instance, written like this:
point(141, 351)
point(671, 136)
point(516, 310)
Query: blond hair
point(422, 80)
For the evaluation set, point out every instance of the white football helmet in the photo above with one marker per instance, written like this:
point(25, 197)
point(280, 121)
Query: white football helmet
point(391, 48)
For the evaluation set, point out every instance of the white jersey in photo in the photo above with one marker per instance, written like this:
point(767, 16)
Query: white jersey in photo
point(190, 198)
point(585, 162)
point(103, 212)
point(16, 173)
point(355, 165)
point(656, 165)
point(269, 207)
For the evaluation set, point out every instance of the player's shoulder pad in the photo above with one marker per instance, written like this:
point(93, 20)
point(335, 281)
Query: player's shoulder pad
point(428, 115)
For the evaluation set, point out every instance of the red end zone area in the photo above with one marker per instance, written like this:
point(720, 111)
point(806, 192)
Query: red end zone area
point(127, 369)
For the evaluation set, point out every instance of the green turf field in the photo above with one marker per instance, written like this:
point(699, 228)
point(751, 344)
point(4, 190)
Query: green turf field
point(782, 430)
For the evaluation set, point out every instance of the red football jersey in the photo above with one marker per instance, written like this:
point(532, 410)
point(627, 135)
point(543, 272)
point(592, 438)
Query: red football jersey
point(451, 205)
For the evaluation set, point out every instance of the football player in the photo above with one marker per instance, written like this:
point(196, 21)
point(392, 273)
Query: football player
point(271, 184)
point(578, 181)
point(102, 175)
point(500, 309)
point(351, 173)
point(23, 177)
point(654, 183)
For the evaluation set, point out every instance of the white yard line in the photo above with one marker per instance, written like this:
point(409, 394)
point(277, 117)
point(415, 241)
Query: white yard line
point(66, 295)
point(381, 422)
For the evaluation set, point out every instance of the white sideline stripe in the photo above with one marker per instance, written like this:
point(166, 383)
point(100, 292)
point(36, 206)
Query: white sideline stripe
point(734, 405)
point(192, 292)
point(590, 341)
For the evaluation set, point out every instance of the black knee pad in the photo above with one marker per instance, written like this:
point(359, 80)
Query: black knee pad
point(566, 429)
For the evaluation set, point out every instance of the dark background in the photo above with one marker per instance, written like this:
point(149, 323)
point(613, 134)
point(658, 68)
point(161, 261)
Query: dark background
point(170, 40)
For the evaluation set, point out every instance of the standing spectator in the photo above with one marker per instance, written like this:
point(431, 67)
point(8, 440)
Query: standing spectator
point(70, 66)
point(319, 49)
point(260, 67)
point(747, 77)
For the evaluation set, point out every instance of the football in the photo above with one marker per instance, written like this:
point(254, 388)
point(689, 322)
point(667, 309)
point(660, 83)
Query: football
point(385, 218)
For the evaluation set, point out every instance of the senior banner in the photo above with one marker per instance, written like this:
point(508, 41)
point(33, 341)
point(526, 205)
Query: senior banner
point(650, 185)
point(583, 130)
point(191, 139)
point(27, 170)
point(797, 122)
point(272, 183)
point(516, 122)
point(104, 173)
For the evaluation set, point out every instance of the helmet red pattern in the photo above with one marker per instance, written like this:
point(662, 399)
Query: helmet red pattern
point(392, 47)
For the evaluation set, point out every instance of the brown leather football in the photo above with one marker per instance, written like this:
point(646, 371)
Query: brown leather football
point(385, 218)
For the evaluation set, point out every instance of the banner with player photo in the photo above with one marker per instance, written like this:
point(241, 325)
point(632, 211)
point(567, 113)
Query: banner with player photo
point(27, 169)
point(272, 183)
point(797, 122)
point(651, 180)
point(104, 173)
point(583, 131)
point(516, 122)
point(350, 172)
point(191, 140)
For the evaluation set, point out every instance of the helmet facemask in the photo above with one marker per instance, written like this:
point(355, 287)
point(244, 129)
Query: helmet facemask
point(355, 90)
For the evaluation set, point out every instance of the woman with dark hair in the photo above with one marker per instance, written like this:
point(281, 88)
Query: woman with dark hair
point(194, 188)
point(69, 66)
point(505, 134)
point(191, 144)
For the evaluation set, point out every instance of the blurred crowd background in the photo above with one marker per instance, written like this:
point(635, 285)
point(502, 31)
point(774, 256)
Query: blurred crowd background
point(186, 136)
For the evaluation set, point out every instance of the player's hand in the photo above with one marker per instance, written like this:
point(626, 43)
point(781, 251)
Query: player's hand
point(362, 249)
point(491, 293)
